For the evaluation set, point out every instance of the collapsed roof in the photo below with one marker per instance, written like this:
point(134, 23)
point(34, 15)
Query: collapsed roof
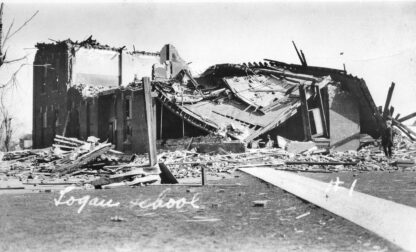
point(247, 101)
point(243, 103)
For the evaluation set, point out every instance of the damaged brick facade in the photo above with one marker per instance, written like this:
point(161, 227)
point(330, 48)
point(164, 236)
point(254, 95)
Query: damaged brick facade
point(65, 64)
point(63, 104)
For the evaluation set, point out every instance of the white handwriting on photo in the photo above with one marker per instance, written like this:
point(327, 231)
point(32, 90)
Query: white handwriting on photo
point(335, 185)
point(160, 202)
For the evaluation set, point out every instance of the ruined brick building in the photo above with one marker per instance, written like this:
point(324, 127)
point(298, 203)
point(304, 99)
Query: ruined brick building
point(83, 89)
point(64, 72)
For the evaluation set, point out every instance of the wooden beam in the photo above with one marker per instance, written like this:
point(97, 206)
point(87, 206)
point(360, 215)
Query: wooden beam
point(297, 52)
point(303, 57)
point(404, 127)
point(120, 67)
point(183, 121)
point(154, 118)
point(388, 99)
point(391, 111)
point(203, 176)
point(305, 113)
point(161, 121)
point(83, 160)
point(386, 218)
point(404, 131)
point(66, 124)
point(322, 110)
point(318, 163)
point(405, 118)
point(150, 121)
point(1, 33)
point(397, 117)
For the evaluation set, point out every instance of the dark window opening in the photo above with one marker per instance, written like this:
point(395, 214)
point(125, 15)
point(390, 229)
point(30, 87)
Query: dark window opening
point(127, 108)
point(312, 123)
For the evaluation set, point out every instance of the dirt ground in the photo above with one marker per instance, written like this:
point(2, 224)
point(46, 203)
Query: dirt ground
point(226, 220)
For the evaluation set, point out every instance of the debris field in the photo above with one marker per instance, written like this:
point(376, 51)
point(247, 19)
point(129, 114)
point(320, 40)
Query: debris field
point(96, 164)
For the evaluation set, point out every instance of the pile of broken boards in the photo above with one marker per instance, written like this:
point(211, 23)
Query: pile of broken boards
point(72, 161)
point(94, 164)
point(184, 163)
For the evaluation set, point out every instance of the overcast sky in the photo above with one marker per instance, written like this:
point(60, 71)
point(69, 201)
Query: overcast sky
point(376, 41)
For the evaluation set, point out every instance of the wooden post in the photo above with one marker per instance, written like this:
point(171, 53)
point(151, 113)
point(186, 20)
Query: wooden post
point(150, 121)
point(120, 67)
point(389, 95)
point(66, 124)
point(183, 127)
point(397, 116)
point(305, 113)
point(183, 121)
point(203, 177)
point(154, 120)
point(161, 120)
point(300, 57)
point(1, 33)
point(321, 109)
point(303, 57)
point(391, 111)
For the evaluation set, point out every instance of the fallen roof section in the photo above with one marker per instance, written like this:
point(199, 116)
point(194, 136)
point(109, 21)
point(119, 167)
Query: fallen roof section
point(237, 100)
point(371, 119)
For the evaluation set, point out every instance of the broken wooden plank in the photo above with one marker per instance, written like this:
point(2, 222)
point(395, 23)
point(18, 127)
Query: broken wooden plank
point(397, 116)
point(150, 121)
point(304, 58)
point(404, 131)
point(319, 163)
point(322, 111)
point(166, 176)
point(62, 141)
point(388, 99)
point(63, 146)
point(391, 111)
point(267, 90)
point(305, 113)
point(405, 118)
point(135, 172)
point(203, 175)
point(260, 203)
point(66, 123)
point(136, 181)
point(70, 139)
point(297, 52)
point(84, 159)
point(404, 126)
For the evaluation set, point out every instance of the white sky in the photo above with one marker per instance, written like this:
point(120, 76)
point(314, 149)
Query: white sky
point(377, 38)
